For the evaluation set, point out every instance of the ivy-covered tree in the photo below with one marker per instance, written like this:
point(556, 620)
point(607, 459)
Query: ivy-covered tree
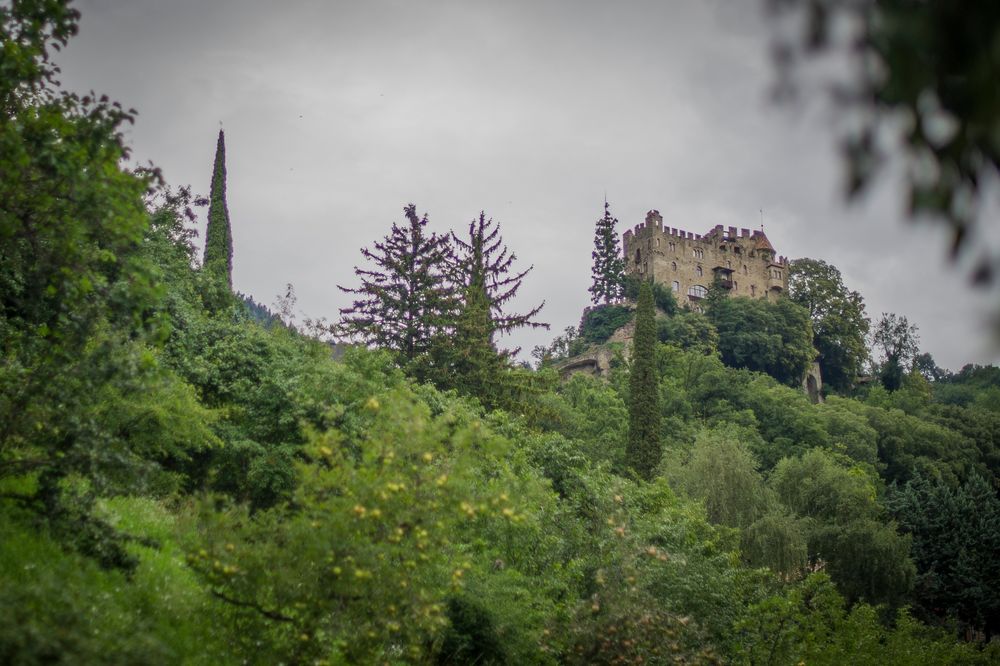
point(608, 271)
point(218, 262)
point(642, 449)
point(405, 300)
point(775, 338)
point(839, 324)
point(897, 341)
point(484, 261)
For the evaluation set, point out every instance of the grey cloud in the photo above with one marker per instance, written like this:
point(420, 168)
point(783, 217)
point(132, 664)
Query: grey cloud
point(339, 113)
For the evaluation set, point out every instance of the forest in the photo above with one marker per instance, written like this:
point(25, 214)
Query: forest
point(188, 476)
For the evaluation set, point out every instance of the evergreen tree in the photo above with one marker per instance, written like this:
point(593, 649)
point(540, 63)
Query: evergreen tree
point(608, 271)
point(218, 261)
point(485, 263)
point(406, 300)
point(471, 360)
point(643, 446)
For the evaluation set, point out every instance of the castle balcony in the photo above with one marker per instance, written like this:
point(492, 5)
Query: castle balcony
point(724, 275)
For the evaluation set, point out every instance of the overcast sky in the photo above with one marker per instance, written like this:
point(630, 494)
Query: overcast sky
point(338, 113)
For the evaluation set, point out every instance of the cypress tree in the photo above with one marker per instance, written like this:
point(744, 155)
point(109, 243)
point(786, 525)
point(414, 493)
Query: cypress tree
point(608, 271)
point(642, 450)
point(218, 261)
point(405, 300)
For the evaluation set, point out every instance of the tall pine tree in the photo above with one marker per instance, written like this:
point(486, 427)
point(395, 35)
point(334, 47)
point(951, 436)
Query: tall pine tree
point(485, 262)
point(405, 300)
point(217, 266)
point(608, 271)
point(642, 449)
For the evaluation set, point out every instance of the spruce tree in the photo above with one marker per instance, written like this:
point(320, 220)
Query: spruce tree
point(643, 447)
point(405, 300)
point(217, 266)
point(484, 261)
point(609, 266)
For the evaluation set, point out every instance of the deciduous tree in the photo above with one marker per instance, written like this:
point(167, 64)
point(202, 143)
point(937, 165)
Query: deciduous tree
point(839, 324)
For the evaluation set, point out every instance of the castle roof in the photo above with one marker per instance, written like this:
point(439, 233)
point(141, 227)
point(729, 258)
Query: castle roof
point(761, 242)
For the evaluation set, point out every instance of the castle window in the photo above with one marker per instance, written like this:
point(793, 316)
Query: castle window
point(672, 246)
point(736, 285)
point(638, 256)
point(736, 249)
point(753, 290)
point(676, 286)
point(699, 253)
point(698, 271)
point(657, 242)
point(745, 269)
point(729, 264)
point(697, 291)
point(673, 265)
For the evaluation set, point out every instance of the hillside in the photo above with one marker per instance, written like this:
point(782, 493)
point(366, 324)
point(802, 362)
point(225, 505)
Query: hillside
point(183, 480)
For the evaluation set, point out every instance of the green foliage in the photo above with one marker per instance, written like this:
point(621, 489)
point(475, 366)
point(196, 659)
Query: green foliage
point(688, 330)
point(600, 322)
point(663, 297)
point(839, 324)
point(643, 448)
point(608, 272)
point(866, 557)
point(217, 266)
point(722, 472)
point(182, 484)
point(775, 338)
point(956, 535)
point(62, 608)
point(810, 623)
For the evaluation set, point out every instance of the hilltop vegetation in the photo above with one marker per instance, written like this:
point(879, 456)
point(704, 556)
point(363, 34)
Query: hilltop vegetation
point(182, 480)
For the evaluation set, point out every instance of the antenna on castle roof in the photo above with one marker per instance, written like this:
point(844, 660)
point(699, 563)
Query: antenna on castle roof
point(762, 220)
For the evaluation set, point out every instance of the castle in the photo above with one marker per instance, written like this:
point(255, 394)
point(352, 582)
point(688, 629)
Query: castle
point(745, 263)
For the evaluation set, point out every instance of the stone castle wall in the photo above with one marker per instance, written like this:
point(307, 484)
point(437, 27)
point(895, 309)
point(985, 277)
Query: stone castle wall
point(688, 263)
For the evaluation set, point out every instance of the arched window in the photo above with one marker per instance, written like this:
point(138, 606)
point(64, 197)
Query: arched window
point(672, 246)
point(676, 286)
point(699, 253)
point(638, 256)
point(673, 265)
point(657, 242)
point(698, 271)
point(745, 269)
point(729, 264)
point(697, 291)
